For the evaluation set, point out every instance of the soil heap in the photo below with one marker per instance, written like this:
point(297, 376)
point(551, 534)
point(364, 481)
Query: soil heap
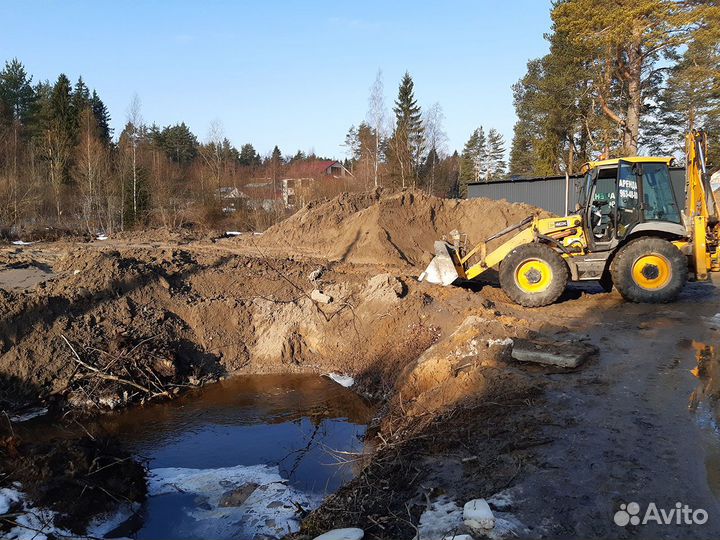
point(396, 229)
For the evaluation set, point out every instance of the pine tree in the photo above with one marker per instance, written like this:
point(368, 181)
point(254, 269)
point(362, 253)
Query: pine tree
point(17, 95)
point(472, 161)
point(80, 98)
point(102, 118)
point(248, 156)
point(495, 156)
point(623, 41)
point(407, 141)
point(178, 142)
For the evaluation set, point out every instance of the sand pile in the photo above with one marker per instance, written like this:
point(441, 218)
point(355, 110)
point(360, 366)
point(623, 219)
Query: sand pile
point(397, 229)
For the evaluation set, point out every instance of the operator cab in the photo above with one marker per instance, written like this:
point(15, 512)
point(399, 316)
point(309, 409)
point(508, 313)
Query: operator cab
point(625, 196)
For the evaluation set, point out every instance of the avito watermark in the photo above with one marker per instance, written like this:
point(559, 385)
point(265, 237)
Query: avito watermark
point(681, 514)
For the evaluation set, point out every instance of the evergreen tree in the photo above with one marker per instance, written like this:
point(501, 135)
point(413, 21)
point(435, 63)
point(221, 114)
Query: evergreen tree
point(102, 118)
point(80, 96)
point(61, 108)
point(495, 156)
point(472, 159)
point(17, 95)
point(178, 142)
point(276, 156)
point(623, 41)
point(275, 165)
point(248, 156)
point(408, 143)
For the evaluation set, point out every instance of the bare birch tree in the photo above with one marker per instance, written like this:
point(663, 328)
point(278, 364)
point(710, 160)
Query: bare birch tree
point(377, 120)
point(135, 120)
point(435, 138)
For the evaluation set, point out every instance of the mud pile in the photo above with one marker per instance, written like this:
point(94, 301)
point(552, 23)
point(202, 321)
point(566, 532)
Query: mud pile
point(397, 229)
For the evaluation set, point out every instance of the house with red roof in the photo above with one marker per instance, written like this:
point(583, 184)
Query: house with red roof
point(305, 176)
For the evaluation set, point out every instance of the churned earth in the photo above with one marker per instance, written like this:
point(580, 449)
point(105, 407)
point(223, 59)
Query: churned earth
point(89, 328)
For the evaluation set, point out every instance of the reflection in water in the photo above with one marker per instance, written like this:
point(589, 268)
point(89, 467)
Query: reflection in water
point(708, 372)
point(705, 400)
point(276, 432)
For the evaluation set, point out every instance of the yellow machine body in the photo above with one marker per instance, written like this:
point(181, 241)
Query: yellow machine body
point(697, 237)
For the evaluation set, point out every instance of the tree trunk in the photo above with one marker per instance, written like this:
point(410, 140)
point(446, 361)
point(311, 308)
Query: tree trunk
point(633, 75)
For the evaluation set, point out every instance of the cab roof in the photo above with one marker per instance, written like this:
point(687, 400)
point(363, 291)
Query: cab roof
point(634, 159)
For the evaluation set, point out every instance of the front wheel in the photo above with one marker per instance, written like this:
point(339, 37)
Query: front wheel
point(533, 275)
point(649, 270)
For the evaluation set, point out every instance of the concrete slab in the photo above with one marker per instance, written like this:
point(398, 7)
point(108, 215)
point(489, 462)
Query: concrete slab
point(566, 354)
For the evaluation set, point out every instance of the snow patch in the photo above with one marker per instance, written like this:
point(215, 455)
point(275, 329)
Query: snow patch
point(444, 518)
point(270, 510)
point(232, 233)
point(342, 534)
point(32, 523)
point(21, 243)
point(102, 237)
point(8, 497)
point(343, 380)
point(103, 524)
point(477, 514)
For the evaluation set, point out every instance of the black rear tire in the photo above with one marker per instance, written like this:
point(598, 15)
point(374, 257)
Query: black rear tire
point(533, 275)
point(649, 270)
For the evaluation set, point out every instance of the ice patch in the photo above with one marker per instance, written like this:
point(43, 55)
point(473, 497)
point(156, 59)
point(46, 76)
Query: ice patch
point(29, 414)
point(8, 497)
point(21, 243)
point(343, 380)
point(100, 526)
point(342, 534)
point(32, 523)
point(499, 342)
point(270, 510)
point(443, 518)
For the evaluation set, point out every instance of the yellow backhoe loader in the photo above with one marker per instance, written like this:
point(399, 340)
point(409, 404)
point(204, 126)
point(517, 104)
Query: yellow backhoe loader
point(630, 230)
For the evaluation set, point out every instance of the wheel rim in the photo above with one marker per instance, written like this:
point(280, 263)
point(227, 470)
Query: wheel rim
point(533, 275)
point(652, 272)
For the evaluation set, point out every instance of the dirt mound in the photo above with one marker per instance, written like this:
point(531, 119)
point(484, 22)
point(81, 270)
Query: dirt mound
point(396, 229)
point(77, 478)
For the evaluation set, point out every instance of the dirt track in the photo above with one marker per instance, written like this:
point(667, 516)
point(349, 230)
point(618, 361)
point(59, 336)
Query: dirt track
point(460, 418)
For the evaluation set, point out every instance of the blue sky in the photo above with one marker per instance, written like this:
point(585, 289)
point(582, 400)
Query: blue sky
point(296, 74)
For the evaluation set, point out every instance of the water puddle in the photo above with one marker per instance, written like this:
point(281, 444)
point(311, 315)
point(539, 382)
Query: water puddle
point(705, 402)
point(241, 458)
point(22, 277)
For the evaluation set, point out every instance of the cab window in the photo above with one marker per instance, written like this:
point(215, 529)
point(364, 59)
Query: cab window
point(658, 197)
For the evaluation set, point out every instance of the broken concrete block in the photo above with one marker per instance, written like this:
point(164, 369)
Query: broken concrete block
point(477, 514)
point(342, 534)
point(566, 354)
point(320, 297)
point(238, 496)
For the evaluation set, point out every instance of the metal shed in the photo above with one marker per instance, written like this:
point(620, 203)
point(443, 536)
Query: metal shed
point(548, 192)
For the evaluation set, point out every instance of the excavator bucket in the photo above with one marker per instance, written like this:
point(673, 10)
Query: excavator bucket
point(442, 270)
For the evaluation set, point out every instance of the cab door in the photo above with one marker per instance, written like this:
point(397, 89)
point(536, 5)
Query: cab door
point(628, 208)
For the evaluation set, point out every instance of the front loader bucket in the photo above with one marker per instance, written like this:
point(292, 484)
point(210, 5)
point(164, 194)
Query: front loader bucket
point(442, 270)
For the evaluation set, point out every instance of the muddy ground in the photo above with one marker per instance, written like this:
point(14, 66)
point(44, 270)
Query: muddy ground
point(88, 327)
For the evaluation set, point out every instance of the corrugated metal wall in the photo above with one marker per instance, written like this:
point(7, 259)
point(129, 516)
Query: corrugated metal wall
point(549, 193)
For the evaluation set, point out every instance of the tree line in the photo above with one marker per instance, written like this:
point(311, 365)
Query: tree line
point(62, 166)
point(408, 148)
point(621, 77)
